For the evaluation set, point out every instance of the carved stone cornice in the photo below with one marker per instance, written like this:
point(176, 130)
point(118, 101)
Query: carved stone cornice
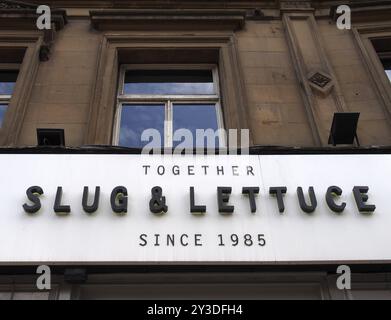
point(295, 5)
point(18, 15)
point(259, 14)
point(167, 19)
point(22, 15)
point(159, 4)
point(4, 4)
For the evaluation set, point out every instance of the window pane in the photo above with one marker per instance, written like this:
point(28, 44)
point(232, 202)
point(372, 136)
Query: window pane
point(7, 81)
point(388, 72)
point(135, 119)
point(193, 117)
point(180, 82)
point(3, 109)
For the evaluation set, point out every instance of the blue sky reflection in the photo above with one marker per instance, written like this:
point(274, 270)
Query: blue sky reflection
point(7, 88)
point(193, 117)
point(169, 88)
point(135, 119)
point(3, 109)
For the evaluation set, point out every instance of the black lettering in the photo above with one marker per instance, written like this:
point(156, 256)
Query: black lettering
point(32, 194)
point(303, 205)
point(161, 170)
point(223, 194)
point(157, 204)
point(193, 207)
point(220, 169)
point(157, 240)
point(171, 239)
point(175, 170)
point(360, 195)
point(94, 206)
point(279, 192)
point(58, 207)
point(119, 200)
point(250, 170)
point(183, 243)
point(146, 169)
point(197, 240)
point(251, 192)
point(330, 195)
point(143, 239)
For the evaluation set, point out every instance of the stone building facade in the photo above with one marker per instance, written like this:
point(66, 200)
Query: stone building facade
point(284, 69)
point(267, 52)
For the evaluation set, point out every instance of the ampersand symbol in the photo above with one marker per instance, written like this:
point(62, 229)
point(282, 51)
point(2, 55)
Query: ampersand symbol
point(157, 204)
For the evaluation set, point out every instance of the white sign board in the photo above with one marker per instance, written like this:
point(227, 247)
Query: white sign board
point(265, 236)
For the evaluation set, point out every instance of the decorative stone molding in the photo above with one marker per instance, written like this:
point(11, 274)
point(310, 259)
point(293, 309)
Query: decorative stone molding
point(22, 49)
point(4, 4)
point(363, 36)
point(314, 72)
point(169, 19)
point(258, 14)
point(320, 82)
point(117, 49)
point(295, 5)
point(17, 15)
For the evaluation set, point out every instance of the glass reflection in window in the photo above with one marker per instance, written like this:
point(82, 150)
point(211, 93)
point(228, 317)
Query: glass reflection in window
point(7, 81)
point(193, 117)
point(169, 82)
point(137, 118)
point(3, 109)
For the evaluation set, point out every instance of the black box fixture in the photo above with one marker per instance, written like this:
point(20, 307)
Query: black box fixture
point(50, 137)
point(344, 128)
point(75, 275)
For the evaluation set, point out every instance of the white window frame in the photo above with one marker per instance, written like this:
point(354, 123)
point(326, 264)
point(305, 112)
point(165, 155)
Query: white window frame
point(168, 100)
